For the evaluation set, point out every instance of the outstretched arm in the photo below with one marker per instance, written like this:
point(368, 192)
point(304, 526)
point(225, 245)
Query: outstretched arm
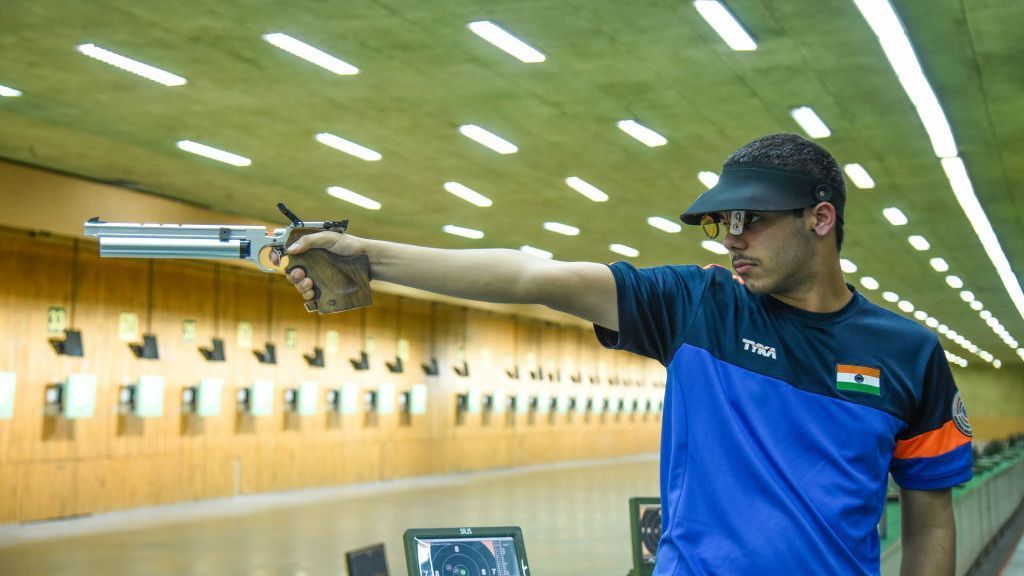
point(583, 289)
point(928, 533)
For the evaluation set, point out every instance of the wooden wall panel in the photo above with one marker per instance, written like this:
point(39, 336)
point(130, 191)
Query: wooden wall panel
point(52, 467)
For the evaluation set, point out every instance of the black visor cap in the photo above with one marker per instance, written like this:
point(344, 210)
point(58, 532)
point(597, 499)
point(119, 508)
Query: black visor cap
point(750, 186)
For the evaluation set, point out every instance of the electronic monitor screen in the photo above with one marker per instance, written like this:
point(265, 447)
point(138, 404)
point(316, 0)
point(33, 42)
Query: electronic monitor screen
point(466, 552)
point(369, 561)
point(645, 521)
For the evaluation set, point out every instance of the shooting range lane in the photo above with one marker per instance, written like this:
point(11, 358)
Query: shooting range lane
point(574, 520)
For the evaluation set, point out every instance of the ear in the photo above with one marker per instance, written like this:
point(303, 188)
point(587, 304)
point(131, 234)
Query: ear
point(822, 219)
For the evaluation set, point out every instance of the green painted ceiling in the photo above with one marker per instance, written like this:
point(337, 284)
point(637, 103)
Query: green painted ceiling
point(423, 73)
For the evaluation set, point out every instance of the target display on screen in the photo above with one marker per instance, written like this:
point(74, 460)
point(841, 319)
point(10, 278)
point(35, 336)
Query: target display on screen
point(645, 521)
point(466, 552)
point(650, 531)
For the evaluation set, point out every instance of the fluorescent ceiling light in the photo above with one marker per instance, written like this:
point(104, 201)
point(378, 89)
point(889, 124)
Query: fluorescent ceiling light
point(664, 224)
point(895, 216)
point(353, 197)
point(348, 147)
point(311, 54)
point(712, 246)
point(488, 139)
point(985, 314)
point(642, 133)
point(707, 178)
point(624, 250)
point(726, 25)
point(847, 266)
point(464, 232)
point(920, 314)
point(890, 297)
point(562, 228)
point(954, 282)
point(501, 38)
point(213, 153)
point(997, 364)
point(860, 177)
point(869, 283)
point(939, 264)
point(9, 92)
point(128, 65)
point(900, 53)
point(943, 328)
point(967, 296)
point(931, 322)
point(587, 189)
point(919, 242)
point(906, 306)
point(468, 194)
point(964, 191)
point(810, 122)
point(537, 252)
point(977, 305)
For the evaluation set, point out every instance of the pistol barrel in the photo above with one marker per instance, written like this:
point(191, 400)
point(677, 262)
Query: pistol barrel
point(128, 247)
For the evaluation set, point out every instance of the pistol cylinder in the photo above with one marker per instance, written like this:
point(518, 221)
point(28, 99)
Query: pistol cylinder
point(173, 248)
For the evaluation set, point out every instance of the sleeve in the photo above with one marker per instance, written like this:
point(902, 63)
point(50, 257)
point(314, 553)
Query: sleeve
point(656, 306)
point(934, 452)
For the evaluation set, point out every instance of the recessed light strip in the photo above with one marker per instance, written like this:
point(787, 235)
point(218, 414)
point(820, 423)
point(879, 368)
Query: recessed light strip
point(537, 252)
point(642, 133)
point(664, 224)
point(464, 232)
point(713, 246)
point(9, 92)
point(488, 139)
point(468, 194)
point(348, 147)
point(624, 250)
point(587, 189)
point(129, 65)
point(560, 228)
point(811, 123)
point(353, 198)
point(213, 153)
point(893, 37)
point(311, 54)
point(859, 176)
point(726, 25)
point(964, 191)
point(504, 40)
point(708, 178)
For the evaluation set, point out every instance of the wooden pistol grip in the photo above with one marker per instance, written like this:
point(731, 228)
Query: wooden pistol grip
point(339, 282)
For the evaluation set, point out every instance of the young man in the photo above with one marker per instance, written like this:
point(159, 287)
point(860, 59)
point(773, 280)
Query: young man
point(789, 396)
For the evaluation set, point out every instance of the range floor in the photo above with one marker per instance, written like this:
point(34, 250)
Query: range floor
point(574, 518)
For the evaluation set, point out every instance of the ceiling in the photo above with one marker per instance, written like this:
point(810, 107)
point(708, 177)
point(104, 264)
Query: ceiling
point(423, 73)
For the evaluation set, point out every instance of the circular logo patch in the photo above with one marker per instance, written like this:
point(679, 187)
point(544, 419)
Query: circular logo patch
point(859, 378)
point(960, 416)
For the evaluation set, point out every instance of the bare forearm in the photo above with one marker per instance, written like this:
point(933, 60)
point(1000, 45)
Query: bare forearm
point(928, 533)
point(492, 275)
point(929, 553)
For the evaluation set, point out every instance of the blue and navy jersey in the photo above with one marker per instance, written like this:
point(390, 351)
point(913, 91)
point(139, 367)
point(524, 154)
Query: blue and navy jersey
point(781, 425)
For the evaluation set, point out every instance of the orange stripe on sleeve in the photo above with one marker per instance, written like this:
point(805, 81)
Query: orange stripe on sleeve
point(933, 443)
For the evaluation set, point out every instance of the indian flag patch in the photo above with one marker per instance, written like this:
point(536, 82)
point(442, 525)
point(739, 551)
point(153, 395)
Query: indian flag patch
point(858, 379)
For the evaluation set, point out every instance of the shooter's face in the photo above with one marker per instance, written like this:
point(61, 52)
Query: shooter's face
point(773, 252)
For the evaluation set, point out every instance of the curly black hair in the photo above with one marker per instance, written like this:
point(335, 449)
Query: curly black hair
point(794, 152)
